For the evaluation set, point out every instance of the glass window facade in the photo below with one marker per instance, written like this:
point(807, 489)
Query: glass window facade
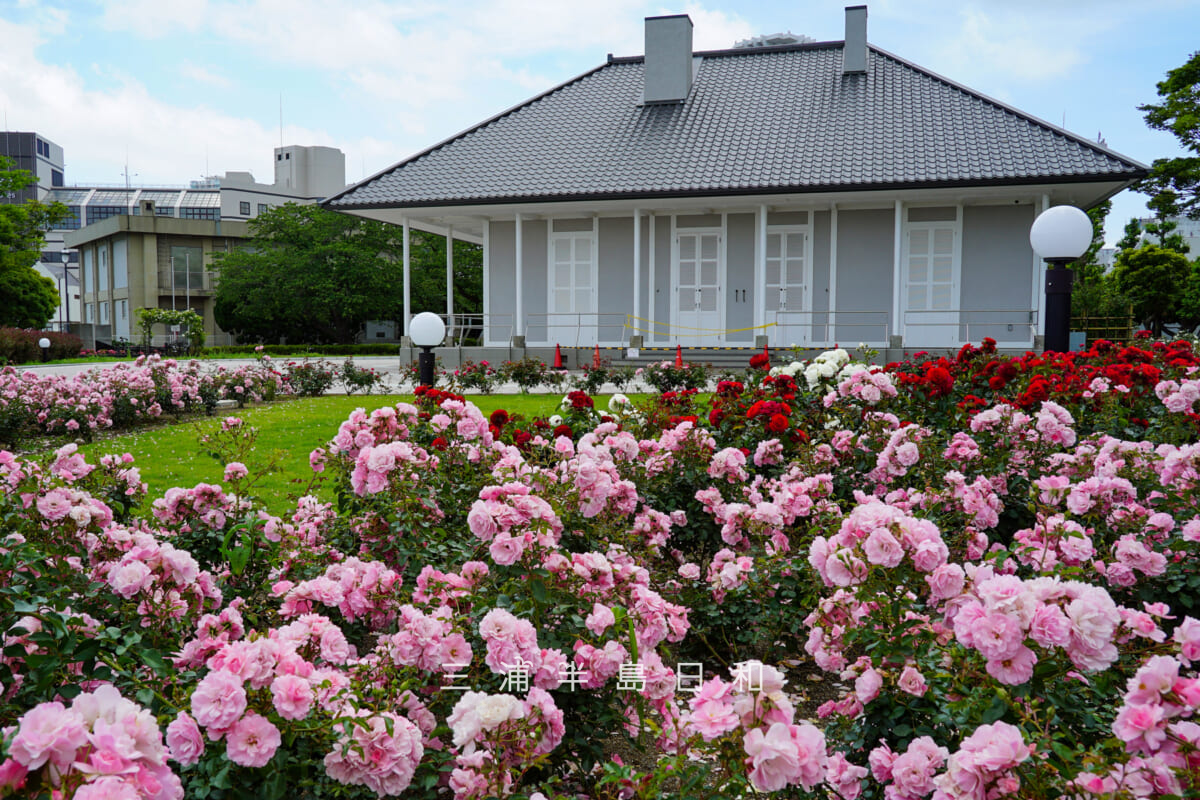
point(187, 266)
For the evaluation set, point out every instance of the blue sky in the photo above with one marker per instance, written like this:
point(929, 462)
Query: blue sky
point(195, 87)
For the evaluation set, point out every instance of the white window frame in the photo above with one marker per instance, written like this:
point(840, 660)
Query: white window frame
point(593, 238)
point(783, 230)
point(722, 280)
point(956, 227)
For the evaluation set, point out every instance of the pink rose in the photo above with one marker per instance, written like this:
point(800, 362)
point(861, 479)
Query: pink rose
point(912, 681)
point(185, 740)
point(883, 549)
point(252, 741)
point(48, 732)
point(219, 699)
point(601, 617)
point(292, 695)
point(867, 685)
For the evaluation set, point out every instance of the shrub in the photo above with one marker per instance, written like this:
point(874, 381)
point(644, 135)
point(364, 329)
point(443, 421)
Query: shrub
point(593, 378)
point(664, 376)
point(311, 378)
point(529, 373)
point(474, 377)
point(360, 379)
point(20, 346)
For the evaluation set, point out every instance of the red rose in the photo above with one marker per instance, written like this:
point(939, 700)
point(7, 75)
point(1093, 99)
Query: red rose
point(778, 423)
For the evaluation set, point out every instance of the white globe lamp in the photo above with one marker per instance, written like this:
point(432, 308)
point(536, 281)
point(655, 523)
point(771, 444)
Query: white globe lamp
point(426, 330)
point(1059, 236)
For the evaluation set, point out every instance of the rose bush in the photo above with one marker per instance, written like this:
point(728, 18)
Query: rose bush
point(992, 582)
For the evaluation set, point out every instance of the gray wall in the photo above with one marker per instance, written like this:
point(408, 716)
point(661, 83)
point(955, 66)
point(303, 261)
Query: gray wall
point(535, 278)
point(614, 298)
point(739, 278)
point(865, 253)
point(997, 273)
point(820, 277)
point(502, 279)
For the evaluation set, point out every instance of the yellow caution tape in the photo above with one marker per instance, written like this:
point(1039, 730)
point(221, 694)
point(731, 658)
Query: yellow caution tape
point(669, 327)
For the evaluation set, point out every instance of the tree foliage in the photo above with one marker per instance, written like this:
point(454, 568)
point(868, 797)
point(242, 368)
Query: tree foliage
point(27, 298)
point(1093, 294)
point(1177, 112)
point(313, 275)
point(1153, 279)
point(309, 275)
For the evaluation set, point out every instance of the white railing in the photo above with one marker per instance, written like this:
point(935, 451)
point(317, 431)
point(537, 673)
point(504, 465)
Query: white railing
point(953, 327)
point(827, 328)
point(577, 329)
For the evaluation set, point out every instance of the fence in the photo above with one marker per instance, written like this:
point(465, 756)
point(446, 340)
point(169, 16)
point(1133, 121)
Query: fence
point(1118, 328)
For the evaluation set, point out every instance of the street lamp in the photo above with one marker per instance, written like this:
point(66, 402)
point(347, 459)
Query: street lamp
point(44, 343)
point(1059, 236)
point(426, 331)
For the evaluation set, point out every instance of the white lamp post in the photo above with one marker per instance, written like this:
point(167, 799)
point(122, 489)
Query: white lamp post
point(427, 332)
point(1059, 236)
point(44, 343)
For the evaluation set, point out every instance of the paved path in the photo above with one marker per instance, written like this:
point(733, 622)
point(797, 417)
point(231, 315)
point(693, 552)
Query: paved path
point(389, 366)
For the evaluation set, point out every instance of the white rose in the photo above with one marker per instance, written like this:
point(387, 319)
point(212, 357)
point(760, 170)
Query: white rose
point(497, 708)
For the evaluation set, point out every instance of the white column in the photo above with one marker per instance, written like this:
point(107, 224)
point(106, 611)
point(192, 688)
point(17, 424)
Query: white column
point(831, 329)
point(760, 276)
point(519, 322)
point(637, 267)
point(449, 275)
point(407, 281)
point(488, 336)
point(1039, 280)
point(648, 333)
point(897, 272)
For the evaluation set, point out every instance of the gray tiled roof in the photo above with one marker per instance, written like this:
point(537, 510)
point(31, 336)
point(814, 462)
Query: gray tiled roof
point(766, 120)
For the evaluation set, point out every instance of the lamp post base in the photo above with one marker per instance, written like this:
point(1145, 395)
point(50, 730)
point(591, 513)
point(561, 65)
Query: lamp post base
point(1059, 281)
point(425, 364)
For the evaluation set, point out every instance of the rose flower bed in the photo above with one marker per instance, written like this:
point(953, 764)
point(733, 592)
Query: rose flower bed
point(130, 394)
point(992, 562)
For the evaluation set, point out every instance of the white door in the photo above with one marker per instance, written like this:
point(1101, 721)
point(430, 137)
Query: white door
point(931, 285)
point(698, 277)
point(572, 290)
point(786, 297)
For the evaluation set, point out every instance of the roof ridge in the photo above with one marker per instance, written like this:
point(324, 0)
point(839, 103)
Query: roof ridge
point(455, 137)
point(1000, 104)
point(738, 51)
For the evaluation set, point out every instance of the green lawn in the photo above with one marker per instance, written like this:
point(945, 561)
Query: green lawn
point(289, 430)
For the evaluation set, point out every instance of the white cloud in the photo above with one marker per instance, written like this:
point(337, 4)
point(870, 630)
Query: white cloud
point(166, 143)
point(154, 18)
point(199, 74)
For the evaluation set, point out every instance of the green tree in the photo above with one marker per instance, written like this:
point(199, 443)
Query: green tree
point(27, 298)
point(1177, 112)
point(310, 275)
point(428, 267)
point(1093, 294)
point(1154, 280)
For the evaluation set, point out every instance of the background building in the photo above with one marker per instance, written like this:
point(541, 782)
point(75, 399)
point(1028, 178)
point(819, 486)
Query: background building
point(38, 155)
point(302, 175)
point(147, 260)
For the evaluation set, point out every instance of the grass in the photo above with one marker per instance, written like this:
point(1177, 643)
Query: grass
point(170, 455)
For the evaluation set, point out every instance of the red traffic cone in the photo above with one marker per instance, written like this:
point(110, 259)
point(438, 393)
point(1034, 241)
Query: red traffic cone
point(596, 357)
point(767, 353)
point(678, 355)
point(558, 357)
